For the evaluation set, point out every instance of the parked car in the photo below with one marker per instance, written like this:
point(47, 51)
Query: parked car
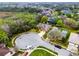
point(58, 46)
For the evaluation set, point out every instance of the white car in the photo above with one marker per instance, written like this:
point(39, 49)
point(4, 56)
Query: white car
point(29, 47)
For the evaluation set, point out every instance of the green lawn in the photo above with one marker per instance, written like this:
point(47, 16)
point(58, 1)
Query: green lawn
point(43, 51)
point(40, 52)
point(48, 49)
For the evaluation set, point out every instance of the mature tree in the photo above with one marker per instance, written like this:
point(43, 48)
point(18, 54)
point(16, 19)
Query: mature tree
point(38, 18)
point(3, 37)
point(6, 28)
point(78, 24)
point(44, 19)
point(69, 15)
point(60, 22)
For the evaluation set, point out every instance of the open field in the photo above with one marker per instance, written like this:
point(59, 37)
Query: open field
point(5, 14)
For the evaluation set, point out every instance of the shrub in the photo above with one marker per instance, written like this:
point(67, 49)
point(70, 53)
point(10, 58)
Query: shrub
point(6, 28)
point(44, 19)
point(38, 18)
point(59, 22)
point(3, 37)
point(69, 15)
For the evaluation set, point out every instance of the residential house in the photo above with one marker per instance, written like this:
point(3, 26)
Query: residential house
point(44, 27)
point(4, 51)
point(73, 43)
point(46, 12)
point(66, 11)
point(51, 20)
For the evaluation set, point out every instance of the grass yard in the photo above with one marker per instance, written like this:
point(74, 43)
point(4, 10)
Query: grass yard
point(40, 52)
point(43, 51)
point(48, 49)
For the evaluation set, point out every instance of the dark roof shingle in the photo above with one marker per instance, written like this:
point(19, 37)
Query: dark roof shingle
point(4, 51)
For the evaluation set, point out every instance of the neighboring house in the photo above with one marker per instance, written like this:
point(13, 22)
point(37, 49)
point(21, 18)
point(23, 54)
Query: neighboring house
point(52, 20)
point(74, 38)
point(72, 48)
point(44, 27)
point(73, 43)
point(46, 12)
point(4, 51)
point(55, 29)
point(66, 11)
